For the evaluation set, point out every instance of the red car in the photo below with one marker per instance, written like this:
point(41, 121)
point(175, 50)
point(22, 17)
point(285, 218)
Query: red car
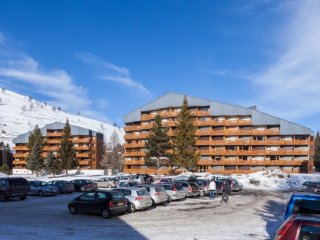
point(300, 227)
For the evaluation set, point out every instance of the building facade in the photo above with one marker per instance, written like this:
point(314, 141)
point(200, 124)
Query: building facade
point(88, 145)
point(230, 139)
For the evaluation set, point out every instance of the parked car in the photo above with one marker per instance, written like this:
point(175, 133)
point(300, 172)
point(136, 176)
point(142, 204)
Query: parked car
point(185, 178)
point(190, 189)
point(128, 183)
point(63, 186)
point(235, 185)
point(303, 203)
point(138, 198)
point(174, 191)
point(13, 187)
point(300, 227)
point(167, 179)
point(138, 178)
point(157, 193)
point(147, 179)
point(41, 189)
point(311, 186)
point(107, 182)
point(102, 202)
point(203, 185)
point(84, 185)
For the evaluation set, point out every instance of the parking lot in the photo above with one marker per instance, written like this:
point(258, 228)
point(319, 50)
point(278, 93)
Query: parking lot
point(249, 215)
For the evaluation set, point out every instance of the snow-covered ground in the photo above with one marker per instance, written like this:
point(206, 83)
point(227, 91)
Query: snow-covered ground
point(19, 114)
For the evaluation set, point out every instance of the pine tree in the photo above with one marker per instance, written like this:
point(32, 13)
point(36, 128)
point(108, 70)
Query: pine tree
point(66, 151)
point(185, 151)
point(5, 169)
point(52, 164)
point(35, 144)
point(158, 143)
point(6, 148)
point(317, 152)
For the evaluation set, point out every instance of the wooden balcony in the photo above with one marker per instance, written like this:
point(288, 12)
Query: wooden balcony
point(54, 134)
point(287, 152)
point(134, 145)
point(203, 142)
point(81, 140)
point(53, 141)
point(85, 162)
point(50, 148)
point(200, 113)
point(18, 162)
point(294, 142)
point(82, 155)
point(133, 162)
point(252, 162)
point(21, 155)
point(146, 171)
point(136, 136)
point(82, 148)
point(135, 154)
point(21, 148)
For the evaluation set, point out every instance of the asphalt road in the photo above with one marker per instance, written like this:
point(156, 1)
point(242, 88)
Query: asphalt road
point(249, 215)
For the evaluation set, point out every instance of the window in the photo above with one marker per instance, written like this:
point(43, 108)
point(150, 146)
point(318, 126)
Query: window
point(4, 182)
point(88, 197)
point(102, 196)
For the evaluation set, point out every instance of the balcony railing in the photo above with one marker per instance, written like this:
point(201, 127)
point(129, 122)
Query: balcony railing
point(135, 154)
point(85, 162)
point(81, 155)
point(18, 162)
point(254, 162)
point(55, 134)
point(136, 136)
point(21, 148)
point(134, 145)
point(146, 171)
point(133, 162)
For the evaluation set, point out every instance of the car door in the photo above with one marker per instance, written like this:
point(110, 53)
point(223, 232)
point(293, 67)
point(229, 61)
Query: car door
point(87, 202)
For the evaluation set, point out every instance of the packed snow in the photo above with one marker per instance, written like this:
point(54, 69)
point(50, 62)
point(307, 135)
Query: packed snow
point(19, 114)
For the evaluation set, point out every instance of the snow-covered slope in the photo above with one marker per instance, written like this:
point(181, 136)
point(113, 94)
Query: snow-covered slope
point(19, 114)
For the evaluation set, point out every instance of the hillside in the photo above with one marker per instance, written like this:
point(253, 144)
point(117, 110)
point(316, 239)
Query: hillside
point(19, 114)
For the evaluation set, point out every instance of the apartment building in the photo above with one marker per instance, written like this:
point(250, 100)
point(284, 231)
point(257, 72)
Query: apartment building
point(86, 142)
point(230, 139)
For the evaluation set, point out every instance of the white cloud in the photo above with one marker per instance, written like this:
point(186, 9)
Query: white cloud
point(55, 84)
point(114, 73)
point(291, 84)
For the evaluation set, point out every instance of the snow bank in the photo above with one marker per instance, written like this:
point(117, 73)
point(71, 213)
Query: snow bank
point(3, 175)
point(274, 180)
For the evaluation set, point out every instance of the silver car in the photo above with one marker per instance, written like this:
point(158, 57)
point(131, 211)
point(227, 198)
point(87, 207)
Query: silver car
point(107, 182)
point(174, 191)
point(157, 193)
point(138, 198)
point(41, 189)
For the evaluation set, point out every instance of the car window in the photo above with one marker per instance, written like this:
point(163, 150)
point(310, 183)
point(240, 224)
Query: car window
point(117, 195)
point(307, 206)
point(184, 185)
point(159, 189)
point(178, 187)
point(142, 192)
point(102, 196)
point(91, 196)
point(4, 182)
point(309, 233)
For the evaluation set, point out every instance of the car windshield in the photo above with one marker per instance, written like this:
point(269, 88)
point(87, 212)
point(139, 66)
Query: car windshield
point(43, 184)
point(307, 206)
point(159, 189)
point(142, 192)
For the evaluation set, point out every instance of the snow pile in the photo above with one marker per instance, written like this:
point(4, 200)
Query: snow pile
point(3, 175)
point(274, 180)
point(19, 114)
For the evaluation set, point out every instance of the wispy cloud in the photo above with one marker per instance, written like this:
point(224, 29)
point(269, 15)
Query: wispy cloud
point(291, 84)
point(114, 73)
point(54, 84)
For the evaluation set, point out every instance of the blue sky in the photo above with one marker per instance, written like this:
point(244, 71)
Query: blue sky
point(106, 58)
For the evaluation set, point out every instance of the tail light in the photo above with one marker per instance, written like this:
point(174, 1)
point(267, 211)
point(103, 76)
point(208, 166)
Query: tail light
point(110, 204)
point(189, 189)
point(139, 198)
point(283, 229)
point(156, 194)
point(174, 188)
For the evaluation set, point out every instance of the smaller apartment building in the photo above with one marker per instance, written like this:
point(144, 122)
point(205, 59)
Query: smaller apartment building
point(88, 145)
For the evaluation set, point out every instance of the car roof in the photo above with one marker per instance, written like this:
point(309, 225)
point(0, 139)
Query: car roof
point(130, 188)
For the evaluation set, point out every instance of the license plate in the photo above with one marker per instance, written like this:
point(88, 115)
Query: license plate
point(120, 204)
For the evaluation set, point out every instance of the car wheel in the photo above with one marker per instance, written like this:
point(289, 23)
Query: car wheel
point(73, 210)
point(23, 197)
point(3, 197)
point(82, 189)
point(169, 198)
point(105, 213)
point(131, 208)
point(40, 193)
point(153, 203)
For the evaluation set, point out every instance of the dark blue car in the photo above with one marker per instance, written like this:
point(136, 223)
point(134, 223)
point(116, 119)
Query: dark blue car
point(304, 203)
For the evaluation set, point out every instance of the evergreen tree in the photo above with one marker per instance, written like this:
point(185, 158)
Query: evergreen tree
point(52, 164)
point(158, 143)
point(185, 151)
point(6, 148)
point(66, 151)
point(35, 144)
point(317, 151)
point(5, 169)
point(2, 146)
